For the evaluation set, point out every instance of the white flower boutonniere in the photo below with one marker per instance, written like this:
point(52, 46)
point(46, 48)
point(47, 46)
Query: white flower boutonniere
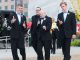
point(44, 18)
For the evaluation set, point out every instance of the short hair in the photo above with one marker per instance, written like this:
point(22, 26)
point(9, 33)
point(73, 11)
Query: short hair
point(39, 7)
point(19, 5)
point(63, 3)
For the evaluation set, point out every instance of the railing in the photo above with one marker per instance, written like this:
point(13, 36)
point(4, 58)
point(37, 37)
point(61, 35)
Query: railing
point(5, 38)
point(27, 36)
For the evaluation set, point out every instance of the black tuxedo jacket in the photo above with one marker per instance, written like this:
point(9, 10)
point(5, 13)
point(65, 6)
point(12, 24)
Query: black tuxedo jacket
point(42, 33)
point(34, 29)
point(35, 19)
point(68, 28)
point(17, 30)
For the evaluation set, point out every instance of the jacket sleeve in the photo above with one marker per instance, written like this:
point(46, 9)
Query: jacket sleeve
point(49, 23)
point(34, 24)
point(10, 18)
point(25, 29)
point(73, 23)
point(59, 18)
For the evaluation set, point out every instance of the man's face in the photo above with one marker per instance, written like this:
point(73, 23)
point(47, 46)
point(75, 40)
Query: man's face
point(19, 9)
point(64, 7)
point(38, 11)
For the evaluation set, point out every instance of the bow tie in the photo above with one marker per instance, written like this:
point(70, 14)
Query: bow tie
point(41, 18)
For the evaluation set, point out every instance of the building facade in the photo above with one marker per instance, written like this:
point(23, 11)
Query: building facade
point(10, 5)
point(7, 4)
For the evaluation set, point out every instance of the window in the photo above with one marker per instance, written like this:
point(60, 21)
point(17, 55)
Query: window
point(0, 0)
point(6, 0)
point(12, 6)
point(12, 0)
point(26, 5)
point(6, 7)
point(0, 7)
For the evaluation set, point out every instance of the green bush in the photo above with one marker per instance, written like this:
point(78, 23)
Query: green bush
point(76, 42)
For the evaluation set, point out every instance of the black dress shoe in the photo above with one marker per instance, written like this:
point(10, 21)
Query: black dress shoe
point(67, 58)
point(52, 52)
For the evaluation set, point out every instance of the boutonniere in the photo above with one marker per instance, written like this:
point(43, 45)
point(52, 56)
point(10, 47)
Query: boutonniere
point(44, 18)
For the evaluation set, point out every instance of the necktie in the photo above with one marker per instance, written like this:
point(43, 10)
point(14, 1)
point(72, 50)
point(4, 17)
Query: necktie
point(19, 18)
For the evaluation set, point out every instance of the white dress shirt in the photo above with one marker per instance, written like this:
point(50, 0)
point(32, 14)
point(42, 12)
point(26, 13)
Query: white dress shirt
point(19, 17)
point(65, 15)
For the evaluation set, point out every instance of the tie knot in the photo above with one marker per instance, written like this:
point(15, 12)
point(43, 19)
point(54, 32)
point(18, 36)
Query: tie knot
point(41, 17)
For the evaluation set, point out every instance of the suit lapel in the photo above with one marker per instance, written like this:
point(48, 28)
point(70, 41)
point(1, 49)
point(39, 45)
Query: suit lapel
point(16, 18)
point(22, 19)
point(44, 20)
point(62, 17)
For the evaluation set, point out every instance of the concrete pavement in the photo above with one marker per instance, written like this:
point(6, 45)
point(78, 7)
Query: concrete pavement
point(31, 55)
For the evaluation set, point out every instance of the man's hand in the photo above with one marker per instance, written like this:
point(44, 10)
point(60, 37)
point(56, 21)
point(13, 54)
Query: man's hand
point(24, 25)
point(73, 36)
point(44, 27)
point(38, 23)
point(60, 22)
point(13, 20)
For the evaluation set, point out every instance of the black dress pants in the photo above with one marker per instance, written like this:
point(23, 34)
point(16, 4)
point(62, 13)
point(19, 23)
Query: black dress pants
point(18, 44)
point(34, 42)
point(46, 44)
point(66, 48)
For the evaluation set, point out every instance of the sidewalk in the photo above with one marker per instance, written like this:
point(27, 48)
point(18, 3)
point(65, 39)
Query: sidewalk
point(31, 55)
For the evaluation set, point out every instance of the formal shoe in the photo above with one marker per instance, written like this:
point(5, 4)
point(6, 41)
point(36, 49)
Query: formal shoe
point(52, 52)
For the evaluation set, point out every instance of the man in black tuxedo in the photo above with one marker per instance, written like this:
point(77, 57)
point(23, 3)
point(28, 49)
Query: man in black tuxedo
point(18, 28)
point(34, 28)
point(43, 36)
point(67, 27)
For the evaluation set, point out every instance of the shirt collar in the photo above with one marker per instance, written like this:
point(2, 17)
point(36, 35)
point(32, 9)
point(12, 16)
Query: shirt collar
point(18, 13)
